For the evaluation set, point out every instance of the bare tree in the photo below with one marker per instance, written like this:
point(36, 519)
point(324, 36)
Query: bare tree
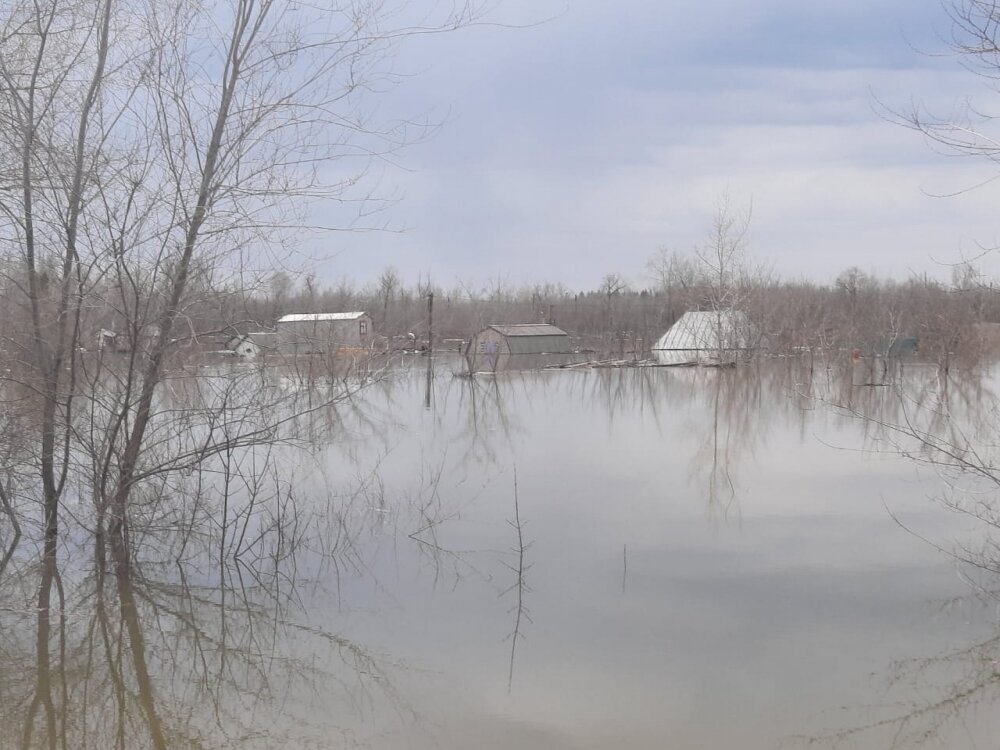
point(388, 287)
point(968, 128)
point(947, 425)
point(612, 286)
point(154, 155)
point(676, 278)
point(723, 256)
point(729, 279)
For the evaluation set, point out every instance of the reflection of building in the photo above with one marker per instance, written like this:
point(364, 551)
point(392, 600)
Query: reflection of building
point(710, 337)
point(308, 333)
point(498, 343)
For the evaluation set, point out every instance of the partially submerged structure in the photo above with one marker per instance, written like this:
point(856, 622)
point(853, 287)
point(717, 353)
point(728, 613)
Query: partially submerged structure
point(322, 333)
point(107, 340)
point(252, 345)
point(712, 337)
point(879, 362)
point(123, 342)
point(493, 347)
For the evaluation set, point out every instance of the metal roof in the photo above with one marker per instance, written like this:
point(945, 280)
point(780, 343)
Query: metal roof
point(529, 329)
point(719, 329)
point(311, 317)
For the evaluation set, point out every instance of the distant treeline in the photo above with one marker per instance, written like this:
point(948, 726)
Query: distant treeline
point(855, 310)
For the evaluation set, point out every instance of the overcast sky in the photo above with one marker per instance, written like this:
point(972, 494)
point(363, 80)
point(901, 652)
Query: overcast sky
point(579, 146)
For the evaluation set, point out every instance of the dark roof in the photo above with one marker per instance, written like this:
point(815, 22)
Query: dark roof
point(529, 329)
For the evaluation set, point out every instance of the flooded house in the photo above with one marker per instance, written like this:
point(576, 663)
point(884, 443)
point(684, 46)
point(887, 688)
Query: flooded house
point(710, 337)
point(107, 340)
point(132, 338)
point(253, 344)
point(497, 345)
point(879, 361)
point(323, 333)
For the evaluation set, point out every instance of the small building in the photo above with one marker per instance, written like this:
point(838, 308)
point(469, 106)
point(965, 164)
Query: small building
point(107, 340)
point(877, 362)
point(708, 337)
point(521, 338)
point(886, 347)
point(253, 345)
point(323, 333)
point(495, 345)
point(905, 346)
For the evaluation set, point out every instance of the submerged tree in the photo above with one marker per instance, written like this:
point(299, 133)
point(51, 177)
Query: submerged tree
point(154, 156)
point(730, 281)
point(949, 425)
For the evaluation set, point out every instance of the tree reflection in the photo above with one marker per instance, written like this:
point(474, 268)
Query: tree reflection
point(520, 587)
point(149, 652)
point(204, 618)
point(943, 420)
point(727, 412)
point(181, 619)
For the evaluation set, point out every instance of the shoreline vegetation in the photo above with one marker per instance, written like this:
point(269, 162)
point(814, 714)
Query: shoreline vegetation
point(856, 311)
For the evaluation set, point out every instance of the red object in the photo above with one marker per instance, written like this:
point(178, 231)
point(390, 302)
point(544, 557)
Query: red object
point(855, 354)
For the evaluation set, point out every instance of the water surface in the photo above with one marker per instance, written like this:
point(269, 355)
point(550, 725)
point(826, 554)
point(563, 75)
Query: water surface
point(636, 558)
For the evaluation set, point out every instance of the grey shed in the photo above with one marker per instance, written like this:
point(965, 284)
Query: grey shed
point(523, 338)
point(308, 333)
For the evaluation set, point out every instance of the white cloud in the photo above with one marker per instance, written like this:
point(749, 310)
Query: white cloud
point(586, 159)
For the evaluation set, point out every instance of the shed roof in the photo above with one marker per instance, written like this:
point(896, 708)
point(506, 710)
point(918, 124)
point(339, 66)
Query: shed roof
point(717, 329)
point(311, 317)
point(529, 329)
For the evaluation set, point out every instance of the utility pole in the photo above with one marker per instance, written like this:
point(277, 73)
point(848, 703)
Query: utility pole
point(430, 322)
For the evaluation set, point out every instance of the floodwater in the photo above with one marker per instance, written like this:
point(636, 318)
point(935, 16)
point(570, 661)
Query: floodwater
point(569, 559)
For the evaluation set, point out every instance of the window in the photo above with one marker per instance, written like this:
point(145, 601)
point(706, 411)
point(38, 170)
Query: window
point(363, 328)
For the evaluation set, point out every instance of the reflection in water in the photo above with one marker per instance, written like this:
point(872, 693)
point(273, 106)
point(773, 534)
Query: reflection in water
point(520, 587)
point(491, 408)
point(154, 646)
point(362, 579)
point(173, 619)
point(945, 421)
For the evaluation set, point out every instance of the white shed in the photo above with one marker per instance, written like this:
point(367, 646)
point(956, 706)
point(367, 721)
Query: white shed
point(308, 333)
point(708, 337)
